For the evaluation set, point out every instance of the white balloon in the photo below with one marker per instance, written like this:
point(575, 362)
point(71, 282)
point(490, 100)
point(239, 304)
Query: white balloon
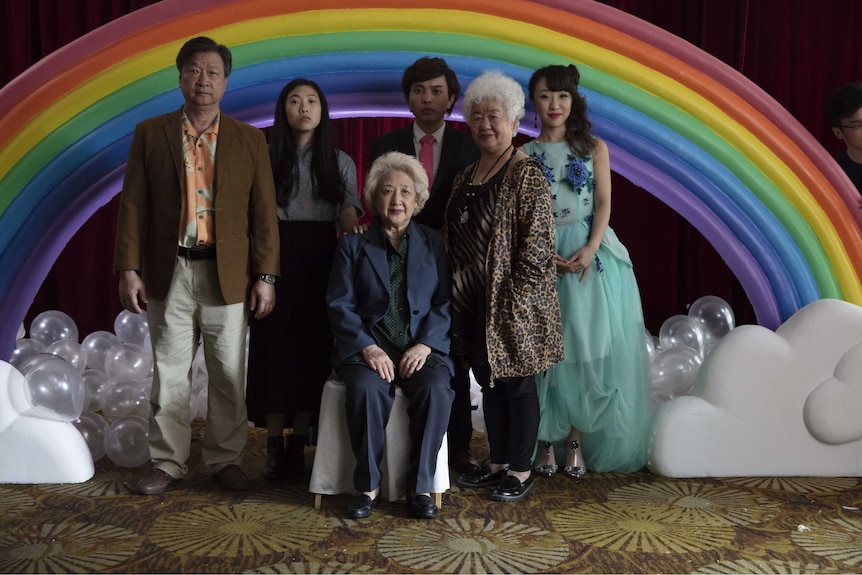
point(126, 442)
point(55, 390)
point(132, 327)
point(22, 331)
point(53, 325)
point(714, 314)
point(97, 345)
point(71, 351)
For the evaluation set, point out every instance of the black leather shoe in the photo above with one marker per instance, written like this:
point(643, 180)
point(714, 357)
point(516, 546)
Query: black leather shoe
point(482, 477)
point(155, 483)
point(463, 462)
point(232, 478)
point(511, 490)
point(422, 506)
point(361, 506)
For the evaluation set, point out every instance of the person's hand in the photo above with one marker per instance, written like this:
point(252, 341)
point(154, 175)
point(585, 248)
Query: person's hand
point(132, 291)
point(379, 361)
point(581, 261)
point(563, 265)
point(359, 228)
point(262, 299)
point(413, 360)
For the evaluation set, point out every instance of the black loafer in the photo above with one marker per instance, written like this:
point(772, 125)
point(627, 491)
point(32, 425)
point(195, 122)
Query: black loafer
point(422, 506)
point(482, 477)
point(511, 490)
point(361, 506)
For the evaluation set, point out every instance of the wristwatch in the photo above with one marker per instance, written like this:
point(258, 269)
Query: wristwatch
point(268, 278)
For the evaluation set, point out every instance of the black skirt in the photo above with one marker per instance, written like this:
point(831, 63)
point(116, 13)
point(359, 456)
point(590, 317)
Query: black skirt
point(290, 350)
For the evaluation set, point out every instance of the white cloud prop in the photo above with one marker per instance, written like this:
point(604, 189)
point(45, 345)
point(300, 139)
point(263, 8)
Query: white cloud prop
point(783, 403)
point(34, 449)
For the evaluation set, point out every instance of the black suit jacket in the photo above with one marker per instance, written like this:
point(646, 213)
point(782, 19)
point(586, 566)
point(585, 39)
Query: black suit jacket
point(458, 151)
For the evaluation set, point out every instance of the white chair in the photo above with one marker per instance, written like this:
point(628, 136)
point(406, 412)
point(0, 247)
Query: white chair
point(334, 462)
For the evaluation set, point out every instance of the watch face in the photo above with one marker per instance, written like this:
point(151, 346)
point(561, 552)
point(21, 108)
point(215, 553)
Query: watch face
point(270, 279)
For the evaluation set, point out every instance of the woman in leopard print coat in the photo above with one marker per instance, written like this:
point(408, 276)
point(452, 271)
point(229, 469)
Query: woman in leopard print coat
point(499, 232)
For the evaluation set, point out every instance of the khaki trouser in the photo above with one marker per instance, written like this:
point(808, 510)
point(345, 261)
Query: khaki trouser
point(194, 308)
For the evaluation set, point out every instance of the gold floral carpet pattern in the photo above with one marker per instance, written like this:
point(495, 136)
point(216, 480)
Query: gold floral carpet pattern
point(601, 523)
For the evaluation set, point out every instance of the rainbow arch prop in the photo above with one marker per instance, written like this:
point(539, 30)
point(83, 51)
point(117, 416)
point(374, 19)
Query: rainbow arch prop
point(679, 123)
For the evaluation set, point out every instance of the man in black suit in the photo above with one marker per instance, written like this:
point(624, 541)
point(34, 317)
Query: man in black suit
point(431, 89)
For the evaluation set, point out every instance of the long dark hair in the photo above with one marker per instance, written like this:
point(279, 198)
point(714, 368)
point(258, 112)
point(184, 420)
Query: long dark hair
point(326, 177)
point(579, 129)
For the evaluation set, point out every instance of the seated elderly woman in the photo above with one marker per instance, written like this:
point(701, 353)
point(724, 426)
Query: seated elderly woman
point(389, 298)
point(499, 231)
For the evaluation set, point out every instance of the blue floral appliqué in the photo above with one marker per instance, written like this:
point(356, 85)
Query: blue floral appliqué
point(576, 173)
point(549, 173)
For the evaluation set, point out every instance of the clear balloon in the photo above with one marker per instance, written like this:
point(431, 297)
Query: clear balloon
point(22, 332)
point(126, 398)
point(132, 327)
point(53, 325)
point(714, 314)
point(128, 362)
point(126, 441)
point(35, 359)
point(93, 427)
point(650, 345)
point(25, 348)
point(55, 390)
point(198, 405)
point(96, 388)
point(97, 345)
point(674, 370)
point(681, 330)
point(71, 351)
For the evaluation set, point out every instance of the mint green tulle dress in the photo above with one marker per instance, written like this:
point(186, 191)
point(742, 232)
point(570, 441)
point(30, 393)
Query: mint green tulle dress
point(602, 387)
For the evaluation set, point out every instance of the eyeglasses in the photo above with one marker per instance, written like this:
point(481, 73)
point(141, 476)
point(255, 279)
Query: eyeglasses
point(854, 126)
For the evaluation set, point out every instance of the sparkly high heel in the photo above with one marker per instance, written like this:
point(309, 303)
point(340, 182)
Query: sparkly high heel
point(549, 468)
point(575, 470)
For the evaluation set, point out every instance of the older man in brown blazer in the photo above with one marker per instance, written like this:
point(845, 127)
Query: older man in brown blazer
point(197, 242)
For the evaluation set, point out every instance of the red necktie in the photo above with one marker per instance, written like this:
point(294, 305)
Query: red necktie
point(426, 156)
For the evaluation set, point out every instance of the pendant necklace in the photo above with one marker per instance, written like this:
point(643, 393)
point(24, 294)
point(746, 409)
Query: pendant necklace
point(494, 165)
point(465, 214)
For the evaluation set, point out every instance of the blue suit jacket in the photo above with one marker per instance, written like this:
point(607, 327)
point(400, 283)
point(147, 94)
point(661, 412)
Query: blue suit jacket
point(358, 293)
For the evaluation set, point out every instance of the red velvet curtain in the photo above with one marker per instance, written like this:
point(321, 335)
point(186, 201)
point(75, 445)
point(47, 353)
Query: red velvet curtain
point(796, 50)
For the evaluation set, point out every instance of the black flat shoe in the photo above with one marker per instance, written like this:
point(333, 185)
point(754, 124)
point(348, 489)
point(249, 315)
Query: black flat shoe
point(482, 477)
point(361, 506)
point(511, 490)
point(422, 506)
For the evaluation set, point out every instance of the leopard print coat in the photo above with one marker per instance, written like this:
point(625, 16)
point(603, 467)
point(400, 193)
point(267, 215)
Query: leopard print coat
point(523, 329)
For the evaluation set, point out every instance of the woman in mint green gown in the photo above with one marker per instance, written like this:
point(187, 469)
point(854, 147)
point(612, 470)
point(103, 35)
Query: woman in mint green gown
point(598, 398)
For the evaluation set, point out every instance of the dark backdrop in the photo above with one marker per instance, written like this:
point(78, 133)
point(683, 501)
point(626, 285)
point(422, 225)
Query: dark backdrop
point(796, 50)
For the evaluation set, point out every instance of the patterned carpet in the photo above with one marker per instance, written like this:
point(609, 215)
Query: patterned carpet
point(602, 523)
